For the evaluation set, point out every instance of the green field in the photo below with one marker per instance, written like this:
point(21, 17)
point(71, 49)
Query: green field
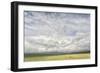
point(49, 57)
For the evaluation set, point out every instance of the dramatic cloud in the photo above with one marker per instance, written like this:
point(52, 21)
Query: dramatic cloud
point(47, 32)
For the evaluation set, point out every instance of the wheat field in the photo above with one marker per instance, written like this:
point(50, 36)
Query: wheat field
point(44, 57)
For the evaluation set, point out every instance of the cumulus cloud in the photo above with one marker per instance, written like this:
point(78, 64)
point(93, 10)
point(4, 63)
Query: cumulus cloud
point(47, 32)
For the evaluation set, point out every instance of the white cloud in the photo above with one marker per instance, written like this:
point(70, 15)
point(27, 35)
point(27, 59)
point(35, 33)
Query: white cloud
point(56, 32)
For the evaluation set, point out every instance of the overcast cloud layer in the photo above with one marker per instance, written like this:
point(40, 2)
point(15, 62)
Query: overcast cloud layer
point(56, 32)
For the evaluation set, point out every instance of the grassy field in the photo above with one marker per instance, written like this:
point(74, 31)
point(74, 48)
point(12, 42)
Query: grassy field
point(44, 57)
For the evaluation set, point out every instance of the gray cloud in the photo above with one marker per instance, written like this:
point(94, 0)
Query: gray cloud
point(59, 28)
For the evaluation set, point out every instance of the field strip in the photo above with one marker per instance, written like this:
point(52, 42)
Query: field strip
point(57, 57)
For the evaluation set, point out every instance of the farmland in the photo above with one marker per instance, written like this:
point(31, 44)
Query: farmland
point(50, 57)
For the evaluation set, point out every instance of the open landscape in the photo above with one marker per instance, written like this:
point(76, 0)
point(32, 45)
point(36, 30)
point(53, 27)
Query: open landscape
point(51, 36)
point(49, 57)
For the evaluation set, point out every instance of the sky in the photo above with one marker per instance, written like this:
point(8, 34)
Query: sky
point(50, 31)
